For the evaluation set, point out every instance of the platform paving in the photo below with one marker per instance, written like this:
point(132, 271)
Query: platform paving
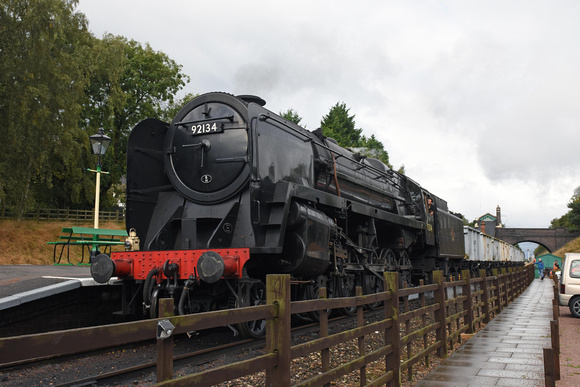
point(24, 283)
point(508, 351)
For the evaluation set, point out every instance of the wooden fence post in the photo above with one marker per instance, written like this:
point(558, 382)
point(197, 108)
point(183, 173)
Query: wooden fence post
point(278, 329)
point(165, 345)
point(554, 332)
point(392, 335)
point(468, 302)
point(497, 294)
point(360, 322)
point(440, 315)
point(505, 286)
point(549, 372)
point(486, 308)
point(515, 282)
point(324, 352)
point(510, 287)
point(555, 301)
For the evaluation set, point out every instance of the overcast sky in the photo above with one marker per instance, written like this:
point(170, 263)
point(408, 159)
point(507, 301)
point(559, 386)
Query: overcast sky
point(478, 99)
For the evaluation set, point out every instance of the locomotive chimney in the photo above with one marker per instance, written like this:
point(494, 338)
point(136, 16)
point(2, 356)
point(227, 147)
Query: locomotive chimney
point(497, 216)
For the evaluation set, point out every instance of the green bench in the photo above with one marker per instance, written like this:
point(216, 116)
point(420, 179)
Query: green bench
point(85, 236)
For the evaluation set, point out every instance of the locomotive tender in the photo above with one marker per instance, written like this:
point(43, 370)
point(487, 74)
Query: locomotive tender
point(230, 192)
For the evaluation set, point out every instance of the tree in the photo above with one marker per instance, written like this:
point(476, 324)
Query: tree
point(377, 150)
point(137, 83)
point(59, 85)
point(170, 110)
point(570, 220)
point(339, 125)
point(292, 116)
point(41, 88)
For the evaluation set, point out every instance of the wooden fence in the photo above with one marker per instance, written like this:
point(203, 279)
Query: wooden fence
point(458, 307)
point(552, 353)
point(78, 216)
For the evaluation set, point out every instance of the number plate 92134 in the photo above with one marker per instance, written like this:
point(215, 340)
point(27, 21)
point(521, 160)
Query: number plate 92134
point(206, 128)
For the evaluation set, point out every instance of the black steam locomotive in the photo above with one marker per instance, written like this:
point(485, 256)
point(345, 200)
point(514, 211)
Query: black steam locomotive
point(230, 192)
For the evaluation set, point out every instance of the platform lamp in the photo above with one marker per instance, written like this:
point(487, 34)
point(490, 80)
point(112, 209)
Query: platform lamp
point(99, 143)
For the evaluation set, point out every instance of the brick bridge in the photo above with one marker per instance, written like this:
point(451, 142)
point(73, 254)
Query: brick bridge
point(551, 238)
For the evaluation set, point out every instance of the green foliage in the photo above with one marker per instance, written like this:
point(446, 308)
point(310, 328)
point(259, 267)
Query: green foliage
point(561, 222)
point(41, 88)
point(171, 109)
point(59, 85)
point(540, 250)
point(292, 116)
point(337, 124)
point(138, 82)
point(570, 220)
point(377, 150)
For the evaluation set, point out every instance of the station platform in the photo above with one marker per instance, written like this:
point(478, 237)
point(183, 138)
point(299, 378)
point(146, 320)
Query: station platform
point(23, 283)
point(508, 351)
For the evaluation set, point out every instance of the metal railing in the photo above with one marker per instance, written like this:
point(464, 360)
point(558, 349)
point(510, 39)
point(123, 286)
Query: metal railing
point(481, 299)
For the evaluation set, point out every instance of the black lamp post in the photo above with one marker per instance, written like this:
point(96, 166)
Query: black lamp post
point(99, 143)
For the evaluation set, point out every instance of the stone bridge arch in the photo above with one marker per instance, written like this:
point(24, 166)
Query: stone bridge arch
point(551, 238)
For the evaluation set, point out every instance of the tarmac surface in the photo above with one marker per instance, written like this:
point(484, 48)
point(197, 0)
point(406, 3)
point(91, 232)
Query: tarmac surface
point(23, 283)
point(508, 351)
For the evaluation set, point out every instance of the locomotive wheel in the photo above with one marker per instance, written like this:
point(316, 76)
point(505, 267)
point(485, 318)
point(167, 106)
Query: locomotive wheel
point(314, 294)
point(254, 294)
point(309, 292)
point(345, 288)
point(388, 258)
point(405, 268)
point(372, 284)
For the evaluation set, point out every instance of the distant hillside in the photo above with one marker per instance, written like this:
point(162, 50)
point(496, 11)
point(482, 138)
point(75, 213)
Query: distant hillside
point(570, 247)
point(24, 242)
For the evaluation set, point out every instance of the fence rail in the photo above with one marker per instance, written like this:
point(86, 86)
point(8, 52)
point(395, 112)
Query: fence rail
point(441, 324)
point(56, 214)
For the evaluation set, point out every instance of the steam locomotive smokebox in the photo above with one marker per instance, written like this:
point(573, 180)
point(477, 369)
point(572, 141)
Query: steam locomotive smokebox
point(306, 247)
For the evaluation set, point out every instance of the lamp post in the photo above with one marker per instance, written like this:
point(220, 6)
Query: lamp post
point(99, 144)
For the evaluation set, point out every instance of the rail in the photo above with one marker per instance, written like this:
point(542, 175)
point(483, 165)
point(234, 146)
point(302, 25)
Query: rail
point(440, 324)
point(55, 214)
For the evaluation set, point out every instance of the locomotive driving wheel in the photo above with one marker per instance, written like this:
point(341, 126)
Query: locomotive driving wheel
point(252, 294)
point(344, 287)
point(310, 291)
point(371, 279)
point(405, 267)
point(387, 256)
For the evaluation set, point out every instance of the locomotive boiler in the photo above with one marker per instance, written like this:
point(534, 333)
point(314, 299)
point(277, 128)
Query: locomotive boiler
point(229, 192)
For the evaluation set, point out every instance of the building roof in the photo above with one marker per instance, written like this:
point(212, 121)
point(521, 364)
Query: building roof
point(487, 216)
